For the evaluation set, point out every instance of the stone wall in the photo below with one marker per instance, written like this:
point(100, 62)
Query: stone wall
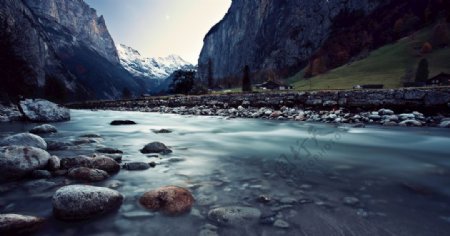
point(436, 100)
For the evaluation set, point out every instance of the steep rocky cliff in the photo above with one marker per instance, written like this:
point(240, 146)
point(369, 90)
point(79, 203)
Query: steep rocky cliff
point(272, 34)
point(81, 21)
point(59, 47)
point(279, 38)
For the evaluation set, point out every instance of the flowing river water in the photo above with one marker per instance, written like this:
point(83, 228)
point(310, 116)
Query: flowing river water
point(321, 179)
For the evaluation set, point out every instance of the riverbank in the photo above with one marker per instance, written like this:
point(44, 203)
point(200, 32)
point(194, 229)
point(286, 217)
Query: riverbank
point(404, 107)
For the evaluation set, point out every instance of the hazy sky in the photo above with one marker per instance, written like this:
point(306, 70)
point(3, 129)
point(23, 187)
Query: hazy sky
point(161, 27)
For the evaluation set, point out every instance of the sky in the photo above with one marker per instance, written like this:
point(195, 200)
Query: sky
point(158, 28)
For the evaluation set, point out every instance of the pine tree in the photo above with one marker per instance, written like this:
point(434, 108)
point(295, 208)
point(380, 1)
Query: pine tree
point(422, 71)
point(126, 93)
point(210, 74)
point(246, 83)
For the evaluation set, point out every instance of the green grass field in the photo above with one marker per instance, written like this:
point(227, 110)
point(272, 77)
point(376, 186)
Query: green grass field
point(385, 65)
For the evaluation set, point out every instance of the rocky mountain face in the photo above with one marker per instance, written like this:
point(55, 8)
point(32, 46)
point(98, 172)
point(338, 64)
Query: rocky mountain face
point(150, 68)
point(279, 38)
point(61, 45)
point(80, 20)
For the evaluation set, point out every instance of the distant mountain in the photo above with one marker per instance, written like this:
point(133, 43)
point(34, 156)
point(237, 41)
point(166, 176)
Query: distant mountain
point(56, 45)
point(150, 68)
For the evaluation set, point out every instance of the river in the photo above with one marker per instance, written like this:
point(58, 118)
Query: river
point(321, 179)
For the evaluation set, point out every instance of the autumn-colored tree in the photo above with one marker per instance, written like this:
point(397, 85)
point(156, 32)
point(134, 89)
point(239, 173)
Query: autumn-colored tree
point(398, 26)
point(426, 48)
point(318, 66)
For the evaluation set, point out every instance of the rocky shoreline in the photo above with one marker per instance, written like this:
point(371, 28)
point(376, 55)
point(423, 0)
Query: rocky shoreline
point(402, 107)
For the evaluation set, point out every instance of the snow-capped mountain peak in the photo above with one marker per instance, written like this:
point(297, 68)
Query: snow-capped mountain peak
point(151, 68)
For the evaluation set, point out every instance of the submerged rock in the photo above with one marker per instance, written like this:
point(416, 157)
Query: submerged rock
point(87, 174)
point(58, 146)
point(78, 202)
point(18, 161)
point(41, 174)
point(24, 139)
point(14, 224)
point(108, 150)
point(234, 216)
point(156, 147)
point(44, 129)
point(171, 200)
point(136, 166)
point(40, 110)
point(122, 122)
point(162, 131)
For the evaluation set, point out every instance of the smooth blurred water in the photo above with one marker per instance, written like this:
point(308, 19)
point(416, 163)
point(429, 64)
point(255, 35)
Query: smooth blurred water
point(401, 176)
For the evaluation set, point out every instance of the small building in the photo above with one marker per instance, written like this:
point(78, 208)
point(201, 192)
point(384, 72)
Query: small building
point(442, 79)
point(271, 85)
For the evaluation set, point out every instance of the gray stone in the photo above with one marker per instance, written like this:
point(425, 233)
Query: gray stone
point(24, 139)
point(234, 216)
point(39, 110)
point(14, 224)
point(410, 123)
point(136, 166)
point(445, 124)
point(351, 201)
point(44, 129)
point(156, 147)
point(78, 202)
point(281, 224)
point(18, 161)
point(54, 163)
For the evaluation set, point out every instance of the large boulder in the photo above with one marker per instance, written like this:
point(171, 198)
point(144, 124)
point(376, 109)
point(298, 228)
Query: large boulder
point(18, 161)
point(171, 200)
point(234, 215)
point(40, 110)
point(14, 224)
point(156, 147)
point(24, 139)
point(87, 174)
point(78, 202)
point(44, 129)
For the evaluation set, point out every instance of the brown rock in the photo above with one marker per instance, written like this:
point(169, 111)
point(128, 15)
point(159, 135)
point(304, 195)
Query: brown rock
point(171, 200)
point(87, 174)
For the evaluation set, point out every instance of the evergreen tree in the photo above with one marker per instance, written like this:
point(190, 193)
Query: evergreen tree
point(126, 93)
point(182, 83)
point(246, 83)
point(422, 71)
point(55, 90)
point(210, 74)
